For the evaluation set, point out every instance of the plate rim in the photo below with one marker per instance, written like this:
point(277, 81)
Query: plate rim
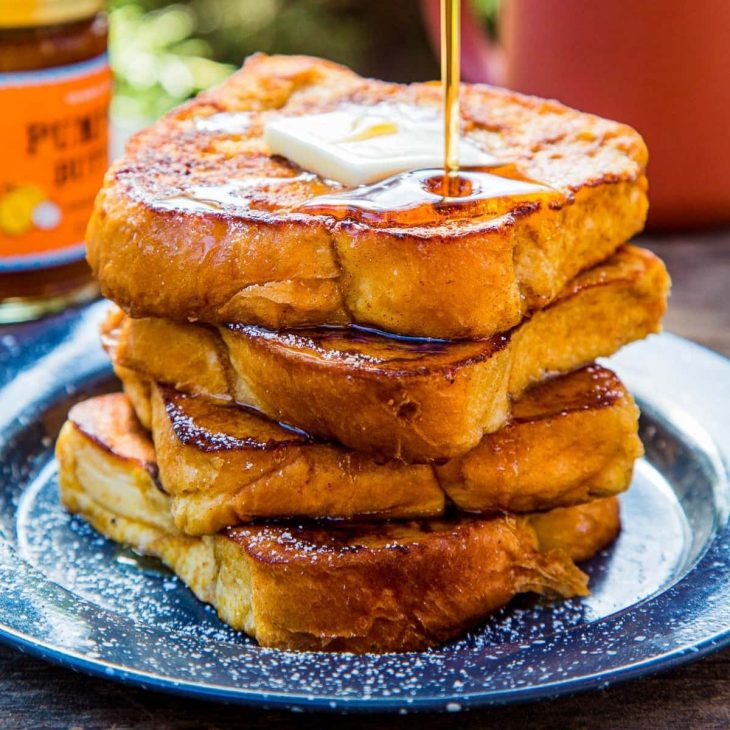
point(71, 659)
point(74, 660)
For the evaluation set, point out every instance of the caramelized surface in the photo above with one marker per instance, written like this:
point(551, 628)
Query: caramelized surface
point(274, 542)
point(539, 140)
point(211, 428)
point(590, 388)
point(362, 349)
point(238, 466)
point(579, 531)
point(110, 422)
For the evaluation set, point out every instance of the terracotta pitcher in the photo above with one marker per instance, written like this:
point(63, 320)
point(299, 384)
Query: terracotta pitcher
point(662, 66)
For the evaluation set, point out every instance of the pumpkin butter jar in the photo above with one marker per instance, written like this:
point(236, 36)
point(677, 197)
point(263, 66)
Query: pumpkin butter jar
point(55, 86)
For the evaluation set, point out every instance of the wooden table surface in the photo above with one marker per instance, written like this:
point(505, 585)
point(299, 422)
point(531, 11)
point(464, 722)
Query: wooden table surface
point(34, 694)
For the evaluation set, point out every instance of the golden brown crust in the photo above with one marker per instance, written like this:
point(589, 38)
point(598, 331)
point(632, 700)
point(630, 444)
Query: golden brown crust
point(292, 610)
point(394, 397)
point(223, 465)
point(579, 531)
point(384, 587)
point(404, 588)
point(271, 263)
point(110, 421)
point(571, 439)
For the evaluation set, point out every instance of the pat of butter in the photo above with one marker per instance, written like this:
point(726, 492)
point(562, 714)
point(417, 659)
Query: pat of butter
point(357, 145)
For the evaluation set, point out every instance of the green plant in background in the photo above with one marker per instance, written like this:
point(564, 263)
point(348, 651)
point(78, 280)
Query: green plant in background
point(157, 60)
point(487, 11)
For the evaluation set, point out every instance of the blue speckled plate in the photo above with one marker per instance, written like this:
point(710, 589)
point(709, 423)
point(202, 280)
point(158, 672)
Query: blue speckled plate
point(661, 594)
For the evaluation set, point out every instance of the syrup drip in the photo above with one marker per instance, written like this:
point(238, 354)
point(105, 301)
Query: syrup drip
point(417, 197)
point(450, 77)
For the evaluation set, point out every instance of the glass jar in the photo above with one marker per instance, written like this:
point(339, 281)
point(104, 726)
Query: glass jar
point(55, 86)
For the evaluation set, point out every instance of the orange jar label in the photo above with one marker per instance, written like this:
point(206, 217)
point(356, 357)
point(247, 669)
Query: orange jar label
point(54, 136)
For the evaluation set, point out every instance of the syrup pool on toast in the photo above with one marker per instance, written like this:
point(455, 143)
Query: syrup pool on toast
point(418, 197)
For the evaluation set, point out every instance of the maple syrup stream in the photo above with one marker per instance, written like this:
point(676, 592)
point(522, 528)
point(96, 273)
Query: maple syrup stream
point(450, 76)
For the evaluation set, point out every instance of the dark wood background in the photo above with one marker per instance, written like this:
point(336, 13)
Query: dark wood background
point(34, 694)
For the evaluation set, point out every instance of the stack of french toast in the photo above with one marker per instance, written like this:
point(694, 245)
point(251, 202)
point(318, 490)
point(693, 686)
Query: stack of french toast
point(364, 428)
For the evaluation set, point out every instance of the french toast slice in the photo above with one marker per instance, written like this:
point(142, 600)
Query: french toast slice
point(417, 400)
point(199, 221)
point(224, 465)
point(327, 586)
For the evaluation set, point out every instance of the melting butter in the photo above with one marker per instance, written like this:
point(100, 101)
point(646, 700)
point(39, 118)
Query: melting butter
point(359, 144)
point(367, 128)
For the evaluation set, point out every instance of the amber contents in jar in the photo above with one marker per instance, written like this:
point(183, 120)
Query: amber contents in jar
point(54, 88)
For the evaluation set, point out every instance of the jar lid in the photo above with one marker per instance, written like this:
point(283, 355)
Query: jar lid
point(29, 13)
